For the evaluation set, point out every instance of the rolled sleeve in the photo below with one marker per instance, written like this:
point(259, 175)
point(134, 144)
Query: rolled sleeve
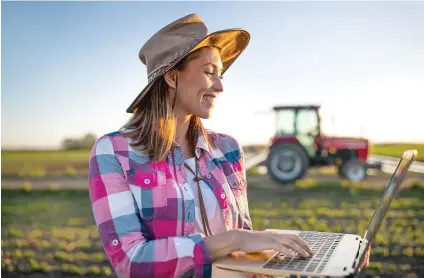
point(124, 237)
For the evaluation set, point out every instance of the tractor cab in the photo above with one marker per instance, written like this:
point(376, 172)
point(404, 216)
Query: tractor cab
point(299, 123)
point(299, 144)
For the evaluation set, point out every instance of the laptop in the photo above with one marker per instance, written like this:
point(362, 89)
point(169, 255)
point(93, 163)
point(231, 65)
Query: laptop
point(334, 254)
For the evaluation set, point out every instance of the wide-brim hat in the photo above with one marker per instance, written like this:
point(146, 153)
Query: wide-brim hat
point(173, 42)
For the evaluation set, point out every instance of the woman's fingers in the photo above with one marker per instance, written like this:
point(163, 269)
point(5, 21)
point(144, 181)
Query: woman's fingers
point(288, 244)
point(302, 243)
point(291, 244)
point(297, 240)
point(286, 251)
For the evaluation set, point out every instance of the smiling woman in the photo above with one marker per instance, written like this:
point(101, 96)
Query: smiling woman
point(168, 196)
point(198, 79)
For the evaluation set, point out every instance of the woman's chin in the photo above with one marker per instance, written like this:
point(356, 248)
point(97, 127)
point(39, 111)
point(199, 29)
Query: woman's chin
point(205, 113)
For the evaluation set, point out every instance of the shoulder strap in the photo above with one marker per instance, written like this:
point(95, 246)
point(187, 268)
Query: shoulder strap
point(197, 179)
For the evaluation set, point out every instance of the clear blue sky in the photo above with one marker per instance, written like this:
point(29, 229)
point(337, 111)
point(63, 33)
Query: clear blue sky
point(72, 67)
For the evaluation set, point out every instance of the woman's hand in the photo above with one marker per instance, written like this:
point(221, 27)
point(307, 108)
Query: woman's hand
point(288, 244)
point(254, 241)
point(366, 261)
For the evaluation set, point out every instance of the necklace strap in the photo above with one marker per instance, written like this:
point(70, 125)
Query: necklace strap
point(197, 179)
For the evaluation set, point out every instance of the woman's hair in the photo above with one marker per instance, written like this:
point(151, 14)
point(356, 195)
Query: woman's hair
point(152, 127)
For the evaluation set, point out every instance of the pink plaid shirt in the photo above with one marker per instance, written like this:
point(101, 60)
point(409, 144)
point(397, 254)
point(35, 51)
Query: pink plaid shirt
point(144, 217)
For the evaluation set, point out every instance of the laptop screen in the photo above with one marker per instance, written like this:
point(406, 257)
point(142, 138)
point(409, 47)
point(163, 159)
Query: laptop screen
point(390, 192)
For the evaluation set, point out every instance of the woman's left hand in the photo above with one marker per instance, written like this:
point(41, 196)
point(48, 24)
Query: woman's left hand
point(365, 263)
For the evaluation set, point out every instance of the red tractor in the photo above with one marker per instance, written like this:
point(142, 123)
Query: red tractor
point(298, 144)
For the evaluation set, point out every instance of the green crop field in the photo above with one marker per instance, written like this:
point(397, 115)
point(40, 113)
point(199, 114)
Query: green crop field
point(51, 233)
point(396, 149)
point(30, 164)
point(39, 164)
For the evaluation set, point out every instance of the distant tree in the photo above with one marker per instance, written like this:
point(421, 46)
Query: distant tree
point(85, 142)
point(69, 144)
point(88, 141)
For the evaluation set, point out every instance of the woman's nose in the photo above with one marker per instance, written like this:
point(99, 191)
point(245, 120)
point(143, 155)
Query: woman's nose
point(218, 86)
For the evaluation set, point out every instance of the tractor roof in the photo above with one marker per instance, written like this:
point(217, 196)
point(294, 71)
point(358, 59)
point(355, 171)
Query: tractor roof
point(296, 107)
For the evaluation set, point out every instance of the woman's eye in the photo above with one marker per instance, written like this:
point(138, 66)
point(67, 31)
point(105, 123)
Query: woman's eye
point(212, 73)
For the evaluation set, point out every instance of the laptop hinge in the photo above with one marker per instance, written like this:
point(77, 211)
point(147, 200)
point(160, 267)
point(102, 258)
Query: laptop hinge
point(360, 252)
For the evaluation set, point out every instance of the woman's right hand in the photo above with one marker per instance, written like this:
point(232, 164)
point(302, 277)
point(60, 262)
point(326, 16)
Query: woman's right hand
point(255, 241)
point(288, 244)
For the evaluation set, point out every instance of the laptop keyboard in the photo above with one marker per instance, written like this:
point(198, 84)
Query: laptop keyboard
point(322, 245)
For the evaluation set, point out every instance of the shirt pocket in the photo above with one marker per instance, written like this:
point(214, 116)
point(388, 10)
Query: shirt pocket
point(150, 193)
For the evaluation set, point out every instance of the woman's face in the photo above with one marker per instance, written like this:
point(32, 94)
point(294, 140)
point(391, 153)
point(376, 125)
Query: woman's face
point(199, 84)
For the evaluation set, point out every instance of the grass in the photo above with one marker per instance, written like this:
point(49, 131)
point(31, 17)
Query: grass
point(49, 156)
point(40, 164)
point(44, 164)
point(396, 149)
point(52, 232)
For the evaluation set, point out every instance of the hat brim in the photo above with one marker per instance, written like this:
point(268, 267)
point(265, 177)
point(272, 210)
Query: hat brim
point(231, 43)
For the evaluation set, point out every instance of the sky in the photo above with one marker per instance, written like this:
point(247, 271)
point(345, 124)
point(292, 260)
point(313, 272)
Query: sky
point(69, 68)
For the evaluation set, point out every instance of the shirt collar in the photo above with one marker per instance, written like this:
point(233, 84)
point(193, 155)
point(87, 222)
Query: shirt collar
point(201, 144)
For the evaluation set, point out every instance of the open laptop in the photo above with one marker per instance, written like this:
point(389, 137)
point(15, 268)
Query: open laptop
point(334, 254)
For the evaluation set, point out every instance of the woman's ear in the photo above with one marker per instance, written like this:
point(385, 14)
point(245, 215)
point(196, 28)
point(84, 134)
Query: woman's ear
point(171, 78)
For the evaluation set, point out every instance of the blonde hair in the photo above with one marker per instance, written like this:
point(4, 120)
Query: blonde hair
point(152, 127)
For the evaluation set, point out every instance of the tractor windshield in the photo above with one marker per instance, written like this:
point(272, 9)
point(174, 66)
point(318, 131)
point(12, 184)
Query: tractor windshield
point(297, 122)
point(286, 122)
point(303, 123)
point(307, 122)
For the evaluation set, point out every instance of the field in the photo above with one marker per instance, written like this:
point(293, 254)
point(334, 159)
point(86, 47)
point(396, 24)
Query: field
point(396, 149)
point(51, 232)
point(40, 164)
point(73, 164)
point(48, 229)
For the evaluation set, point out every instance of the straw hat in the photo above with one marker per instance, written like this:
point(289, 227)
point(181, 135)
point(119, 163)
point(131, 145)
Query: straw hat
point(173, 42)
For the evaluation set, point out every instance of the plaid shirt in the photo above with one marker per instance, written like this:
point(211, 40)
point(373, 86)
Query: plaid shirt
point(144, 217)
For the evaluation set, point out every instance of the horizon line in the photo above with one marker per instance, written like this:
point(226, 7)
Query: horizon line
point(58, 148)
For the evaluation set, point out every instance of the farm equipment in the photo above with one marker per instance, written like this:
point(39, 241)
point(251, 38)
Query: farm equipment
point(299, 144)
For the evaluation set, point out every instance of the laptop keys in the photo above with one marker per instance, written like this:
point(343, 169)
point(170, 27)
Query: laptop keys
point(322, 245)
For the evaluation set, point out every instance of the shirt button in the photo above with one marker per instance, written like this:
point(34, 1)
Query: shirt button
point(222, 196)
point(115, 242)
point(146, 181)
point(208, 176)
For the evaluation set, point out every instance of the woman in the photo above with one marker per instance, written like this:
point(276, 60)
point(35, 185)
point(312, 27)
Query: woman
point(144, 180)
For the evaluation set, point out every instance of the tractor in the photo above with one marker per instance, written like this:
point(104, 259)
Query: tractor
point(299, 144)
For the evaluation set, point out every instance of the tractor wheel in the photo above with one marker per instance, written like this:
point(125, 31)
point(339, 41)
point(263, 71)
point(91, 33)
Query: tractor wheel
point(287, 163)
point(340, 171)
point(353, 170)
